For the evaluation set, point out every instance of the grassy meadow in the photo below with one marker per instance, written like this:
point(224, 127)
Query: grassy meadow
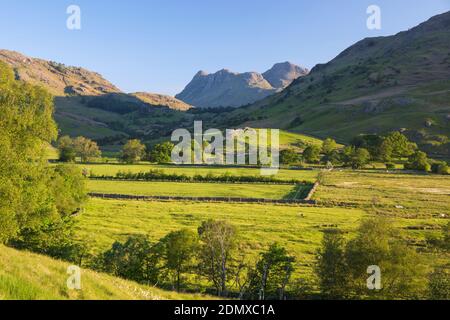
point(142, 188)
point(296, 227)
point(417, 205)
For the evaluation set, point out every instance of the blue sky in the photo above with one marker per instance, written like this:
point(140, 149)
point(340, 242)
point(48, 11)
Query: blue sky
point(158, 45)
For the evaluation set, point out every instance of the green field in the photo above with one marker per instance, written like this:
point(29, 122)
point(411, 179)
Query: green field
point(28, 276)
point(142, 188)
point(113, 169)
point(259, 225)
point(398, 194)
point(344, 199)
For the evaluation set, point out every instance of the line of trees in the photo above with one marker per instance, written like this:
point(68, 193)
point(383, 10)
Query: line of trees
point(81, 147)
point(156, 174)
point(364, 149)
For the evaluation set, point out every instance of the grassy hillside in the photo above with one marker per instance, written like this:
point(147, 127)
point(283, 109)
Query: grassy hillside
point(399, 82)
point(27, 276)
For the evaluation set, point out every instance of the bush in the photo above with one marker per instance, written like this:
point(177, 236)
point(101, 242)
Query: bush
point(132, 260)
point(289, 156)
point(311, 154)
point(440, 168)
point(390, 166)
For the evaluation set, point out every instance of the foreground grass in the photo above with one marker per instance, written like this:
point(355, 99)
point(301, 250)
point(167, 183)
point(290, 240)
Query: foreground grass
point(27, 276)
point(193, 189)
point(113, 168)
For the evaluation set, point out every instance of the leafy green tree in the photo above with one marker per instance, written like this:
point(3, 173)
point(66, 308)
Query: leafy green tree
point(384, 152)
point(133, 259)
point(377, 243)
point(360, 158)
point(26, 127)
point(161, 153)
point(86, 149)
point(218, 243)
point(418, 161)
point(333, 158)
point(54, 236)
point(332, 268)
point(273, 272)
point(398, 144)
point(35, 206)
point(179, 252)
point(355, 158)
point(69, 188)
point(289, 156)
point(67, 152)
point(311, 154)
point(329, 146)
point(133, 151)
point(371, 142)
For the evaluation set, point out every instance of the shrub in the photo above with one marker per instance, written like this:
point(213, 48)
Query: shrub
point(440, 168)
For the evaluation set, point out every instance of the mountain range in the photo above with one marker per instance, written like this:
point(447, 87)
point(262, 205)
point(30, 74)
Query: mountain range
point(381, 84)
point(231, 89)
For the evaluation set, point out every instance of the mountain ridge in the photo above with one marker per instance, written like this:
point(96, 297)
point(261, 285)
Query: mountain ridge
point(393, 83)
point(226, 88)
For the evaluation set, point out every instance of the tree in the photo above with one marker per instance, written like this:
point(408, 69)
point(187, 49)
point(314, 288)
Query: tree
point(55, 236)
point(35, 205)
point(86, 149)
point(371, 142)
point(179, 251)
point(418, 161)
point(133, 259)
point(377, 244)
point(356, 158)
point(398, 145)
point(331, 267)
point(289, 156)
point(69, 187)
point(329, 146)
point(26, 127)
point(273, 272)
point(66, 149)
point(311, 154)
point(218, 242)
point(133, 151)
point(360, 158)
point(161, 153)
